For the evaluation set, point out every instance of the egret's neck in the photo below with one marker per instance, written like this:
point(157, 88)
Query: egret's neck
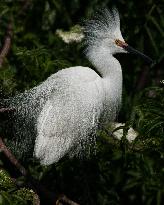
point(107, 65)
point(110, 70)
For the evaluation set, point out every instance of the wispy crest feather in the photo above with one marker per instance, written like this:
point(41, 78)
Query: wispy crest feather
point(103, 25)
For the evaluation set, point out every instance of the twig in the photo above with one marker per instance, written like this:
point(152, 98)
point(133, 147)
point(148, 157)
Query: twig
point(66, 200)
point(2, 110)
point(11, 157)
point(36, 200)
point(39, 188)
point(14, 161)
point(7, 41)
point(7, 44)
point(33, 182)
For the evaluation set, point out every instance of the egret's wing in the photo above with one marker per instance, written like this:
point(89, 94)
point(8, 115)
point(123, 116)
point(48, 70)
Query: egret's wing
point(47, 124)
point(67, 117)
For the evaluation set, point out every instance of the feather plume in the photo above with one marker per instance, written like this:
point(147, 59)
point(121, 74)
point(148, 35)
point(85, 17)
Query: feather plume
point(103, 28)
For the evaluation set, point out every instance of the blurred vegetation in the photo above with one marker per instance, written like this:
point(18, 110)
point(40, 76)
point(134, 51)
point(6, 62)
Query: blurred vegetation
point(120, 172)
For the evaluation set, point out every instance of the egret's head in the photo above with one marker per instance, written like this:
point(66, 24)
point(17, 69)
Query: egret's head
point(103, 33)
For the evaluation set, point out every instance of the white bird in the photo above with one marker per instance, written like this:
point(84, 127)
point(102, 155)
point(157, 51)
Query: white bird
point(70, 105)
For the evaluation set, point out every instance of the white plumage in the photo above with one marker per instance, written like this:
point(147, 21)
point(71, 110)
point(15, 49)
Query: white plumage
point(69, 115)
point(64, 112)
point(80, 98)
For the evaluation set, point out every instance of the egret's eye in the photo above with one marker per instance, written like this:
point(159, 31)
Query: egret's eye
point(117, 42)
point(120, 43)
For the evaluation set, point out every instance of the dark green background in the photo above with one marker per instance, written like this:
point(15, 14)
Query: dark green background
point(120, 173)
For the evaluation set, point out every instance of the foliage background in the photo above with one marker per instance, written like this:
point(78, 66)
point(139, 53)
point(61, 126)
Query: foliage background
point(120, 172)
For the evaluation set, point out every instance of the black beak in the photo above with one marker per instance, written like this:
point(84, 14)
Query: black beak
point(134, 51)
point(138, 53)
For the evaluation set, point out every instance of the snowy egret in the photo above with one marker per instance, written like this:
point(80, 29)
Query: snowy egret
point(69, 106)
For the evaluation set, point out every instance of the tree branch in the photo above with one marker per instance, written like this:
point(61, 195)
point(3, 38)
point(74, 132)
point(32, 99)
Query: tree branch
point(36, 200)
point(33, 182)
point(7, 44)
point(12, 158)
point(9, 33)
point(66, 200)
point(2, 110)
